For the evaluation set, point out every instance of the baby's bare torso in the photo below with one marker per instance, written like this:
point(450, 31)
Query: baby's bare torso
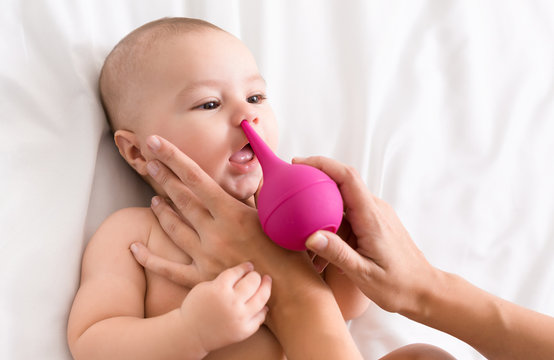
point(162, 296)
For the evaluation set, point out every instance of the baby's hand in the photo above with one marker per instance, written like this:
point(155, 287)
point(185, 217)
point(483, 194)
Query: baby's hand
point(319, 263)
point(229, 308)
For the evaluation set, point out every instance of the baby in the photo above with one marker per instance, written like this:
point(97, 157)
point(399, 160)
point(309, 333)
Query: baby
point(191, 83)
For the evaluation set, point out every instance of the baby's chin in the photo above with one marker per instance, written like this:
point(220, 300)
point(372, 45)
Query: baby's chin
point(245, 194)
point(247, 198)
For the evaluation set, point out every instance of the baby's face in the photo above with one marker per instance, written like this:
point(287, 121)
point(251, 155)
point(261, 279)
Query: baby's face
point(198, 88)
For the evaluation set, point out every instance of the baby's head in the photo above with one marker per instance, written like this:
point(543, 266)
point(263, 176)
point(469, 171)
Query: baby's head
point(191, 83)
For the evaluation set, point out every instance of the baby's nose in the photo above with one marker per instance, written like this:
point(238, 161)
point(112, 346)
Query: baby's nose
point(252, 119)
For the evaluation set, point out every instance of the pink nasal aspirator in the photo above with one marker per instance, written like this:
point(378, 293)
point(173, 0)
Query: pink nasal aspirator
point(295, 199)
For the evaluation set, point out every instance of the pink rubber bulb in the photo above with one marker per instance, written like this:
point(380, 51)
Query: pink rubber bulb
point(295, 199)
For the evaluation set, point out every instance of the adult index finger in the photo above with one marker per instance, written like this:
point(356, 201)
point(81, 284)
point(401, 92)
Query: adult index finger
point(353, 190)
point(179, 273)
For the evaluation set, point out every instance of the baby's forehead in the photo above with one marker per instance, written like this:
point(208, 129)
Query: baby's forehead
point(153, 44)
point(186, 43)
point(208, 49)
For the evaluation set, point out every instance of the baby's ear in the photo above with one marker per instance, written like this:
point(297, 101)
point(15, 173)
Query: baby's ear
point(130, 148)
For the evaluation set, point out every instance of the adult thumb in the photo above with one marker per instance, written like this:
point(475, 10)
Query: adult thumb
point(332, 248)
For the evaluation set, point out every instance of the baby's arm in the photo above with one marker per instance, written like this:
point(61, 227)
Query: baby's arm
point(107, 319)
point(352, 302)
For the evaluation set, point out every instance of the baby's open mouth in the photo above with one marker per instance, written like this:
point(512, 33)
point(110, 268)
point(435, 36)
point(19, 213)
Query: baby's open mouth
point(243, 156)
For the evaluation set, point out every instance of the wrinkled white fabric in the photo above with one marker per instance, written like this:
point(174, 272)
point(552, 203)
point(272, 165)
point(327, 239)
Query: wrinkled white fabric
point(445, 107)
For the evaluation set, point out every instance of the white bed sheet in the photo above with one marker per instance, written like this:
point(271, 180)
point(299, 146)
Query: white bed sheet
point(445, 107)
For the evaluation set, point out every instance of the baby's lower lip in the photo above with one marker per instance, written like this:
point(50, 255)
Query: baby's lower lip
point(245, 167)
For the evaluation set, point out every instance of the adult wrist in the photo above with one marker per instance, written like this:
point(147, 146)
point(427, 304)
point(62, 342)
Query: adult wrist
point(295, 291)
point(427, 296)
point(312, 317)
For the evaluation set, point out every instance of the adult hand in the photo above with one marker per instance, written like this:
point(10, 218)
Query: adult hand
point(381, 258)
point(216, 230)
point(223, 232)
point(226, 233)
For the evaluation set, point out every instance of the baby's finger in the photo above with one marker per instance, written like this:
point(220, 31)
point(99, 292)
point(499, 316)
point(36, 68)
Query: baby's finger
point(232, 275)
point(247, 286)
point(319, 263)
point(262, 294)
point(259, 318)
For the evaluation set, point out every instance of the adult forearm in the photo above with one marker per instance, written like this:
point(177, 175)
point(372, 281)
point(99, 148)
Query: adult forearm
point(308, 332)
point(137, 338)
point(308, 323)
point(352, 302)
point(496, 328)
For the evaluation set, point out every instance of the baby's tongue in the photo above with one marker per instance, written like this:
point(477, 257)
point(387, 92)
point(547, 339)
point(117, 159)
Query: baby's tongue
point(243, 155)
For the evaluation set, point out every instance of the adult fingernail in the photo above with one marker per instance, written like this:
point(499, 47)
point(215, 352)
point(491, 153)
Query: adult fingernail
point(317, 242)
point(155, 201)
point(153, 143)
point(152, 168)
point(134, 248)
point(298, 159)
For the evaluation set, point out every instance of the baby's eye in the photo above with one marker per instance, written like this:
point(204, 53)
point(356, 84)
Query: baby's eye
point(256, 99)
point(210, 105)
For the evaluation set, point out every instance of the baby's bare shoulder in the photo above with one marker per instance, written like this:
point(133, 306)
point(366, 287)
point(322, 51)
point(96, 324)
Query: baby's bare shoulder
point(134, 219)
point(131, 217)
point(122, 228)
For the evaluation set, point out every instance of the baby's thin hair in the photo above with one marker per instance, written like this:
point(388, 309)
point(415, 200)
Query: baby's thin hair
point(121, 67)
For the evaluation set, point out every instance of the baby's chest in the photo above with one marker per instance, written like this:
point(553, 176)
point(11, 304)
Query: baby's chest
point(162, 295)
